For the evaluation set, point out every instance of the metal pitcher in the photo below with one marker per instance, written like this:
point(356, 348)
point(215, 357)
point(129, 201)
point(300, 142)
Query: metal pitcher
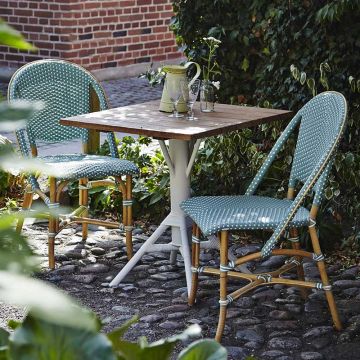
point(176, 73)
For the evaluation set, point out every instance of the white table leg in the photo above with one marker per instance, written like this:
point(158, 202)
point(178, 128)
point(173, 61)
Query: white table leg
point(138, 255)
point(178, 156)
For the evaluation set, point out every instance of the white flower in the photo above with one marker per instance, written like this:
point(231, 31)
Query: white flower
point(216, 84)
point(212, 39)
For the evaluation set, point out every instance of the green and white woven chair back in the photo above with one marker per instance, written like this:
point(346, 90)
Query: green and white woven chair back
point(64, 88)
point(322, 124)
point(322, 120)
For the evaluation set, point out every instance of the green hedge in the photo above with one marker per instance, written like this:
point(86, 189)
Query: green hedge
point(260, 42)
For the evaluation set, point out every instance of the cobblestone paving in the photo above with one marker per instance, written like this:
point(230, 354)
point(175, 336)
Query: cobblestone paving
point(271, 322)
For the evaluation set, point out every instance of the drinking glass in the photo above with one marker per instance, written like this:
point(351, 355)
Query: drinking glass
point(174, 92)
point(190, 93)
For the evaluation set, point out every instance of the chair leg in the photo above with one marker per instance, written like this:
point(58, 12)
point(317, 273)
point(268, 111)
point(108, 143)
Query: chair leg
point(223, 284)
point(324, 278)
point(128, 216)
point(52, 225)
point(299, 268)
point(84, 201)
point(28, 198)
point(195, 255)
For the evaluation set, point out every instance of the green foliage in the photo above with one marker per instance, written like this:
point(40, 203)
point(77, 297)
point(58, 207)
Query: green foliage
point(203, 350)
point(37, 338)
point(151, 188)
point(40, 339)
point(11, 37)
point(276, 54)
point(154, 76)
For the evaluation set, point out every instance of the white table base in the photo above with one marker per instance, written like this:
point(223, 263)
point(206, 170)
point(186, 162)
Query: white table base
point(177, 158)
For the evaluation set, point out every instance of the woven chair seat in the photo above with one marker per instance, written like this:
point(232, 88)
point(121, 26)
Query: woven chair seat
point(77, 166)
point(216, 213)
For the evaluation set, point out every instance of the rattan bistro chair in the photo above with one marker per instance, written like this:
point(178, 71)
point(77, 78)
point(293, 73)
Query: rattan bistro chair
point(67, 89)
point(322, 121)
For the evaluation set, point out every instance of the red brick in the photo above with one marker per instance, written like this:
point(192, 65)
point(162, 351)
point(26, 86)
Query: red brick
point(82, 31)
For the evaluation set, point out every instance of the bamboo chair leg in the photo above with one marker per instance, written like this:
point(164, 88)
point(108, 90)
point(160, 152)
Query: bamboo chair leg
point(223, 284)
point(195, 255)
point(84, 200)
point(128, 216)
point(28, 198)
point(299, 268)
point(52, 225)
point(325, 279)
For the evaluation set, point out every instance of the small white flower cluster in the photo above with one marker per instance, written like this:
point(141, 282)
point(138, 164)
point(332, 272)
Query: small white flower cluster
point(212, 39)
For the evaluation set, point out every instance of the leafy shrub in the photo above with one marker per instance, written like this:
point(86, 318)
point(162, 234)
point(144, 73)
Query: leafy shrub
point(260, 43)
point(150, 188)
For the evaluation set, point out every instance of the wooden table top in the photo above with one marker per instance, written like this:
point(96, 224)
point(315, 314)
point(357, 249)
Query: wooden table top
point(146, 119)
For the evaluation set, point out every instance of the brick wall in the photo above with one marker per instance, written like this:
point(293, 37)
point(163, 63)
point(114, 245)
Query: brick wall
point(98, 34)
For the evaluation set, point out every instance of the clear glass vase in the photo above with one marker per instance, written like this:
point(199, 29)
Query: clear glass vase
point(207, 96)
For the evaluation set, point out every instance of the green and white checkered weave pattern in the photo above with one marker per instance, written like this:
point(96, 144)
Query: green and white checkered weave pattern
point(322, 121)
point(76, 166)
point(64, 88)
point(248, 212)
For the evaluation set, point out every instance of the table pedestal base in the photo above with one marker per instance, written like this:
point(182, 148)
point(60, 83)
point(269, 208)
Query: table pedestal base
point(173, 221)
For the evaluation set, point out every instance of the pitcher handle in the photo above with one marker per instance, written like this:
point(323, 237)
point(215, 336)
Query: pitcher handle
point(198, 71)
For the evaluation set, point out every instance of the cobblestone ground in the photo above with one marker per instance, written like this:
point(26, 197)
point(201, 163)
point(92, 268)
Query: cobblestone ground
point(271, 322)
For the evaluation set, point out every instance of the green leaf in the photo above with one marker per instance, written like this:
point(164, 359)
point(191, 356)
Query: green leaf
point(302, 78)
point(44, 301)
point(295, 72)
point(245, 64)
point(328, 193)
point(15, 253)
point(349, 159)
point(159, 350)
point(14, 324)
point(13, 115)
point(352, 83)
point(4, 337)
point(39, 339)
point(310, 83)
point(204, 350)
point(11, 37)
point(266, 51)
point(155, 198)
point(116, 335)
